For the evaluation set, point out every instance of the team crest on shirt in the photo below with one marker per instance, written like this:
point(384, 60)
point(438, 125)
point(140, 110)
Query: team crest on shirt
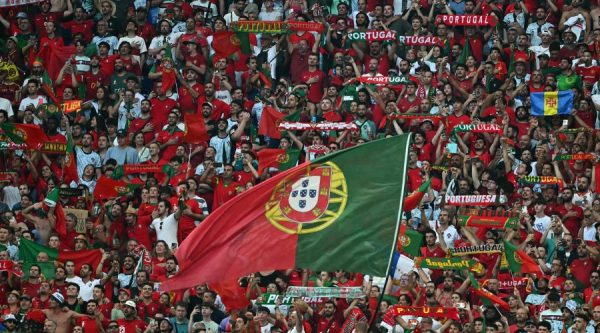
point(308, 201)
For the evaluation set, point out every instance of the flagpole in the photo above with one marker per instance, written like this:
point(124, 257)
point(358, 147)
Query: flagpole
point(187, 171)
point(398, 220)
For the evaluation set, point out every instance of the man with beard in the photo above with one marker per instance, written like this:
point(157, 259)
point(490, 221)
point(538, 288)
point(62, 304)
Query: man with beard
point(126, 278)
point(56, 313)
point(87, 283)
point(145, 123)
point(446, 232)
point(170, 137)
point(376, 51)
point(131, 323)
point(122, 153)
point(584, 265)
point(59, 283)
point(162, 41)
point(165, 223)
point(137, 226)
point(189, 91)
point(93, 78)
point(93, 323)
point(195, 212)
point(220, 109)
point(103, 303)
point(327, 320)
point(479, 149)
point(170, 267)
point(117, 79)
point(570, 214)
point(367, 127)
point(225, 187)
point(432, 250)
point(86, 155)
point(146, 306)
point(42, 301)
point(31, 285)
point(584, 196)
point(521, 318)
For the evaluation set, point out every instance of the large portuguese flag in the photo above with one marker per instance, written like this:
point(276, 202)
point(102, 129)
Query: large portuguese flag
point(340, 211)
point(29, 250)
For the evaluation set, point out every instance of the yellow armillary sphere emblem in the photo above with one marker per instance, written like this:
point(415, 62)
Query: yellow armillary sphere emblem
point(308, 201)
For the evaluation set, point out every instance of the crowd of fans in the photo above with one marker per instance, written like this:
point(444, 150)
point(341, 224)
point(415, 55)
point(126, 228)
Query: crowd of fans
point(470, 75)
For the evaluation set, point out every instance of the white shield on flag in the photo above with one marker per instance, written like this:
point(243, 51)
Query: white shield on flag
point(304, 195)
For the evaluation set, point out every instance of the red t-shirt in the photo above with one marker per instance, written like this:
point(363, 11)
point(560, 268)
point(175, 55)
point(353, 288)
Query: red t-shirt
point(131, 326)
point(315, 90)
point(186, 101)
point(160, 111)
point(223, 193)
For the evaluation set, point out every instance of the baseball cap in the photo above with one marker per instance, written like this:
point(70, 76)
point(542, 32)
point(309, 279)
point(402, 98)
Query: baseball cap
point(10, 317)
point(131, 304)
point(121, 133)
point(58, 297)
point(22, 15)
point(125, 291)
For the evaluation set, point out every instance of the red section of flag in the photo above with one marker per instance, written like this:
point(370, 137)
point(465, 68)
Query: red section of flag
point(108, 188)
point(91, 257)
point(268, 158)
point(493, 298)
point(225, 43)
point(269, 121)
point(412, 201)
point(168, 79)
point(232, 294)
point(54, 58)
point(195, 129)
point(528, 265)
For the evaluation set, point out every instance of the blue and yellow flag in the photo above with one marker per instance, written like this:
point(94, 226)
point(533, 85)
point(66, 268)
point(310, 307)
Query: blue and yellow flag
point(551, 103)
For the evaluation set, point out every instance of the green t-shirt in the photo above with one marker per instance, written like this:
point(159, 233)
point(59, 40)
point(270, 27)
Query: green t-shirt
point(569, 82)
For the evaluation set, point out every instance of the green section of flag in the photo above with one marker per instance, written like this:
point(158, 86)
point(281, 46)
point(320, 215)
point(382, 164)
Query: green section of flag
point(244, 42)
point(412, 243)
point(47, 269)
point(510, 251)
point(466, 52)
point(290, 161)
point(368, 201)
point(10, 131)
point(476, 285)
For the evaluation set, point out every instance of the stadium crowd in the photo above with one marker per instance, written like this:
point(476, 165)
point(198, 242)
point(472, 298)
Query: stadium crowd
point(130, 132)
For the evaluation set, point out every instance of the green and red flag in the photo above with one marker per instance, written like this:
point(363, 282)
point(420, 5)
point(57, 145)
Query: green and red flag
point(280, 159)
point(108, 188)
point(54, 58)
point(519, 261)
point(70, 167)
point(31, 135)
point(466, 52)
point(51, 201)
point(409, 240)
point(29, 250)
point(195, 129)
point(487, 298)
point(412, 201)
point(339, 211)
point(228, 43)
point(269, 121)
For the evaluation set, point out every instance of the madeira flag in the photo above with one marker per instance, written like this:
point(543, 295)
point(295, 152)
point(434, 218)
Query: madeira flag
point(551, 103)
point(340, 211)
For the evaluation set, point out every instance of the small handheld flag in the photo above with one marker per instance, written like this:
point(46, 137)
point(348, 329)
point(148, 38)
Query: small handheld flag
point(551, 103)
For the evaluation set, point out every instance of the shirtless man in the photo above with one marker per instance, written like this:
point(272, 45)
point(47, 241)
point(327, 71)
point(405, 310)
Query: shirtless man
point(41, 223)
point(55, 313)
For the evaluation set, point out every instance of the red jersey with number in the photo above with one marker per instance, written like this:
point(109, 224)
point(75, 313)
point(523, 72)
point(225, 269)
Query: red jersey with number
point(131, 326)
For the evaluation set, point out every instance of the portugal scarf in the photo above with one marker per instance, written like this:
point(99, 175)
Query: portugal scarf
point(476, 249)
point(542, 180)
point(371, 36)
point(444, 263)
point(479, 128)
point(467, 20)
point(487, 219)
point(575, 157)
point(324, 126)
point(389, 80)
point(389, 319)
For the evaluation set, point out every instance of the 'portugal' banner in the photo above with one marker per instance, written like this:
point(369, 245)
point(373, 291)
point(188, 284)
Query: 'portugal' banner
point(467, 20)
point(389, 319)
point(487, 219)
point(324, 126)
point(479, 128)
point(419, 40)
point(275, 27)
point(339, 211)
point(371, 36)
point(390, 80)
point(476, 249)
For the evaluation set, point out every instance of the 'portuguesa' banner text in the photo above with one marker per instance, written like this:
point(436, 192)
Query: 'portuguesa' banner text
point(474, 200)
point(329, 292)
point(444, 263)
point(467, 20)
